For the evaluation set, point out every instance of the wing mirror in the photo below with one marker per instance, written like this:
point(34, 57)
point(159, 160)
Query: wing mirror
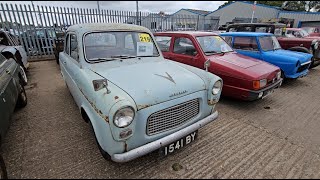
point(207, 64)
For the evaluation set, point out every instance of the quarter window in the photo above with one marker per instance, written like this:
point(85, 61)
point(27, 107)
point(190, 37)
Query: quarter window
point(228, 39)
point(246, 43)
point(184, 46)
point(67, 45)
point(163, 42)
point(74, 47)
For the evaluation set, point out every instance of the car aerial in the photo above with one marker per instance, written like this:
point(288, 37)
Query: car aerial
point(12, 93)
point(288, 42)
point(265, 46)
point(10, 48)
point(313, 31)
point(244, 77)
point(136, 101)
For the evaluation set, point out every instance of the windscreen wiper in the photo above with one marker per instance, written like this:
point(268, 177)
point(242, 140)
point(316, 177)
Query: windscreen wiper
point(101, 59)
point(123, 56)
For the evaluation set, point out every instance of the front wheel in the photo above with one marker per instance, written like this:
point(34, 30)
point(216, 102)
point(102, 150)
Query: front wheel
point(103, 153)
point(23, 76)
point(22, 98)
point(3, 170)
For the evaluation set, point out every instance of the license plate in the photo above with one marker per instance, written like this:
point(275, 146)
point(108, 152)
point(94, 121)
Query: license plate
point(267, 93)
point(179, 144)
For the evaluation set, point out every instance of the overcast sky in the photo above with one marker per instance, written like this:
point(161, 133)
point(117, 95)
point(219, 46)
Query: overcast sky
point(145, 6)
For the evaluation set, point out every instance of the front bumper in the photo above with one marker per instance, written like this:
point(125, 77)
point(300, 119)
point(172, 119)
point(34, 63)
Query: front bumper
point(253, 95)
point(152, 146)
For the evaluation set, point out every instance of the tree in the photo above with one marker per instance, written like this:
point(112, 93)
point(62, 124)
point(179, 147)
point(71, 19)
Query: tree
point(226, 3)
point(312, 5)
point(295, 6)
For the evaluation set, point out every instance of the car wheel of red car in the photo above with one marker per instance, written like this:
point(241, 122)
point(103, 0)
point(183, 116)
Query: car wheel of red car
point(3, 171)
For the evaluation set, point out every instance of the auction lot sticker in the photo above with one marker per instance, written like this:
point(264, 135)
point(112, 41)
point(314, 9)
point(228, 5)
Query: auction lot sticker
point(144, 37)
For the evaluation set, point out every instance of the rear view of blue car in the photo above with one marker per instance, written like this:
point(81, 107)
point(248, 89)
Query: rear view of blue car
point(265, 46)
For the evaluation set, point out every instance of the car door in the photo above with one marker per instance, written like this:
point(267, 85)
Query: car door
point(247, 46)
point(71, 65)
point(185, 51)
point(8, 92)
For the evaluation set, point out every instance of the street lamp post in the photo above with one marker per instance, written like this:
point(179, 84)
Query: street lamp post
point(137, 6)
point(253, 9)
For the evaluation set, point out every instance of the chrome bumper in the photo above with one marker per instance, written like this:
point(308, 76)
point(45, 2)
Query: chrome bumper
point(152, 146)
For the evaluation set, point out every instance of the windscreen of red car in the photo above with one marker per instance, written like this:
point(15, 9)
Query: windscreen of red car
point(108, 45)
point(213, 45)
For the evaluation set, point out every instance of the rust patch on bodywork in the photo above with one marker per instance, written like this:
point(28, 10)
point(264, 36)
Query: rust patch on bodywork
point(125, 146)
point(212, 102)
point(144, 106)
point(116, 97)
point(106, 118)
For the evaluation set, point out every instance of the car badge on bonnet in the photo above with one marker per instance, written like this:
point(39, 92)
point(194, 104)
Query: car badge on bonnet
point(169, 77)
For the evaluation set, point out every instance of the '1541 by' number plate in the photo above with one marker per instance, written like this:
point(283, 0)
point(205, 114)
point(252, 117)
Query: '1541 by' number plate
point(179, 143)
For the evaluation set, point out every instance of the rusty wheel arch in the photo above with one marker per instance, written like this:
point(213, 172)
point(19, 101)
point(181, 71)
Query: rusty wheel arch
point(84, 115)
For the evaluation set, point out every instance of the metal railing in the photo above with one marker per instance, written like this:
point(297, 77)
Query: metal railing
point(36, 26)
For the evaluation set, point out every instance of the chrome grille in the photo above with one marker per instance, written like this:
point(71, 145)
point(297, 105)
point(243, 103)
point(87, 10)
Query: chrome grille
point(172, 117)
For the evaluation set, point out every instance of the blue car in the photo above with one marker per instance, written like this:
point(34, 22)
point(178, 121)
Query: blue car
point(265, 46)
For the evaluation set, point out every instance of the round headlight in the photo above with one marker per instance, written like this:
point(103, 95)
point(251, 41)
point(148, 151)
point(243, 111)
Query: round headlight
point(216, 87)
point(123, 117)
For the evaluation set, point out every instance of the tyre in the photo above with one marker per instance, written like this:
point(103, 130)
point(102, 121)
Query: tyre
point(23, 76)
point(3, 170)
point(22, 98)
point(104, 154)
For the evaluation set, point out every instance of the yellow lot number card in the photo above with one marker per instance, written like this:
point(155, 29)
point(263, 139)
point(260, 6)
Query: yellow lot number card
point(144, 37)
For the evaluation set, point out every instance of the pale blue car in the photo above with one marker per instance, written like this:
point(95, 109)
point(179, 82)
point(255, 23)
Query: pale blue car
point(136, 101)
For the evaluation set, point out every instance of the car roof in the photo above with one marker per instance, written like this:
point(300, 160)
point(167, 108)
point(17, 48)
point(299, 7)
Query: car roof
point(192, 33)
point(253, 34)
point(88, 27)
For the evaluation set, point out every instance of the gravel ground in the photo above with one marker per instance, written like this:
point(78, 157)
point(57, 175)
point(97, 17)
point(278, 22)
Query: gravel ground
point(277, 137)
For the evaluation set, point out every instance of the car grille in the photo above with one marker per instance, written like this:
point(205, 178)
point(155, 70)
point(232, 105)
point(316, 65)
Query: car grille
point(302, 68)
point(172, 117)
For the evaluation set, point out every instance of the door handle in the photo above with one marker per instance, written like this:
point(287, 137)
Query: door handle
point(64, 62)
point(7, 71)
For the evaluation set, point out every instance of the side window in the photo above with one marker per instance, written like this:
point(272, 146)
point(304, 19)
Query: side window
point(67, 45)
point(246, 29)
point(228, 39)
point(184, 46)
point(261, 29)
point(128, 42)
point(163, 42)
point(14, 40)
point(245, 43)
point(232, 29)
point(4, 40)
point(74, 47)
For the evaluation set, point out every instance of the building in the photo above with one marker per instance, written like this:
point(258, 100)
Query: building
point(238, 10)
point(193, 19)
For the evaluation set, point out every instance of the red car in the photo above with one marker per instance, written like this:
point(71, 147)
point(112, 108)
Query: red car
point(243, 77)
point(299, 33)
point(313, 31)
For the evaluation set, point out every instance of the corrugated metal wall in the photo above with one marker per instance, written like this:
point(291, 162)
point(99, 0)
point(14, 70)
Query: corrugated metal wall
point(300, 16)
point(243, 10)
